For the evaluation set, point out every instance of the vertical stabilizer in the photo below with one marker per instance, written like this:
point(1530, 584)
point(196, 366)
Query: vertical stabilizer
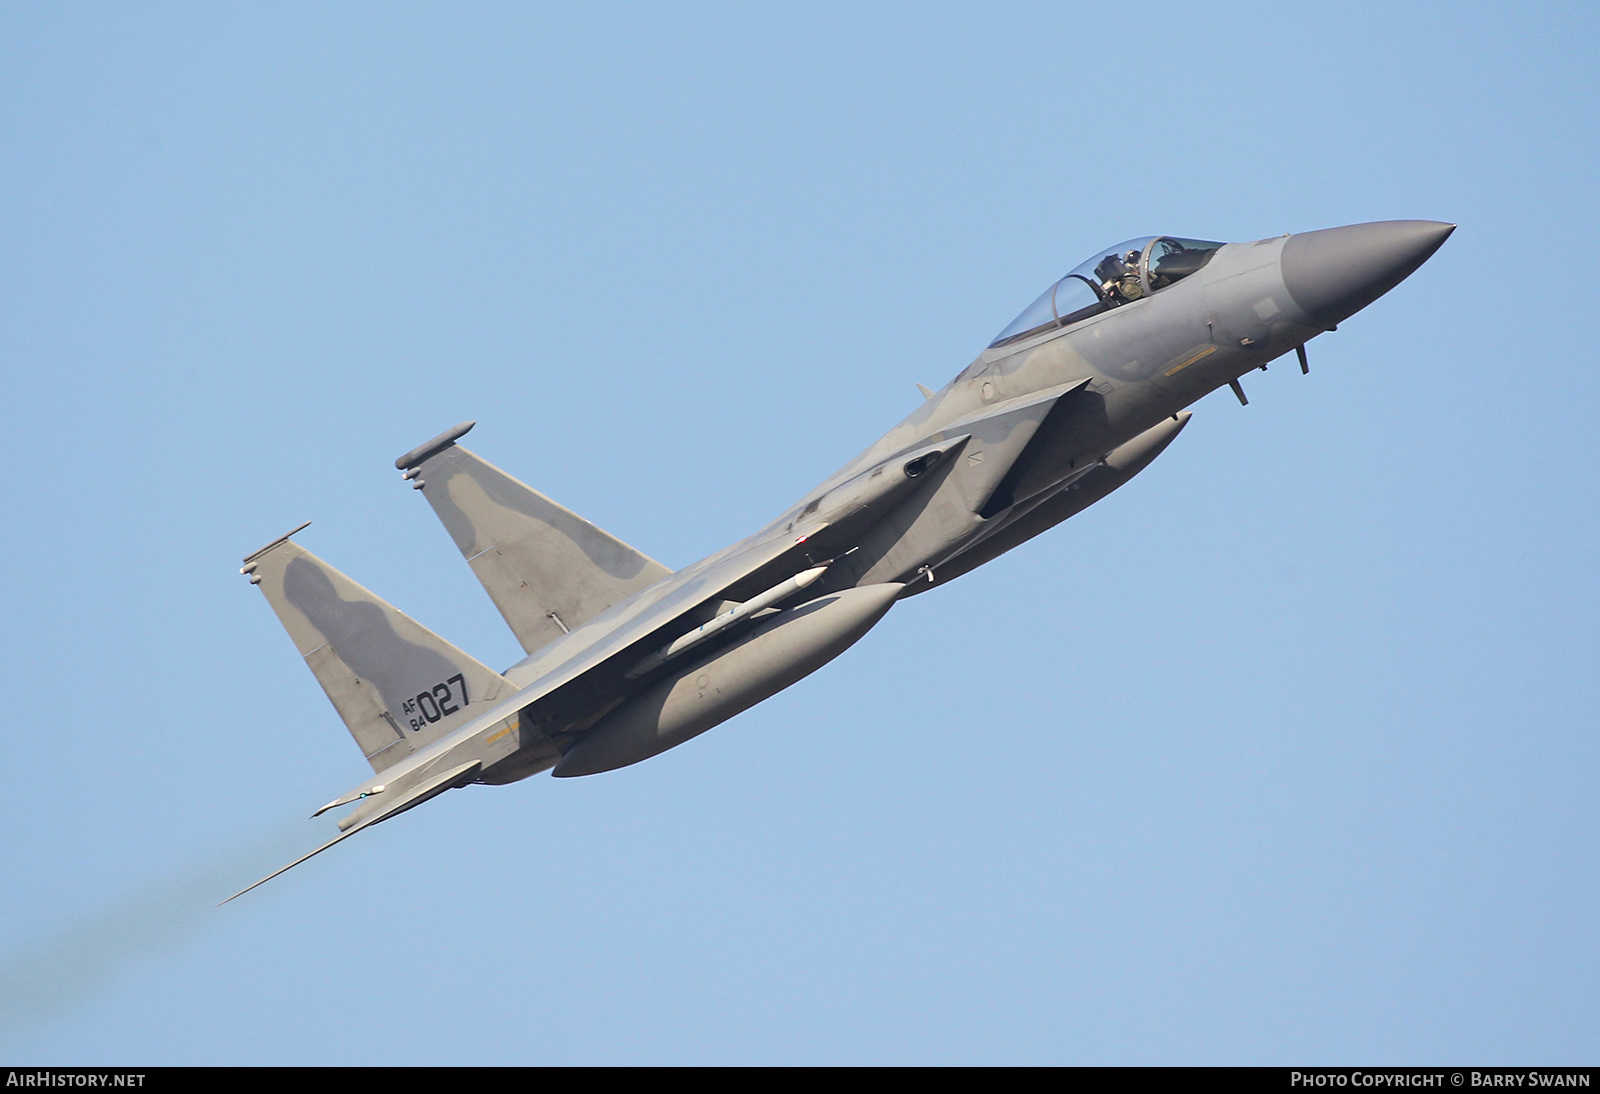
point(547, 569)
point(397, 685)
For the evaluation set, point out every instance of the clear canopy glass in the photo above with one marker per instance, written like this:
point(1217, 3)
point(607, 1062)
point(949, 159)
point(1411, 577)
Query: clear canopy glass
point(1115, 276)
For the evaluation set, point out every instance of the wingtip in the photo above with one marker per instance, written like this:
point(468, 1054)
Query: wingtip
point(292, 865)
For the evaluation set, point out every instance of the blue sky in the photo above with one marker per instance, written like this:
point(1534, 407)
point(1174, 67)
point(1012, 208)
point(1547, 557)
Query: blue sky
point(1285, 753)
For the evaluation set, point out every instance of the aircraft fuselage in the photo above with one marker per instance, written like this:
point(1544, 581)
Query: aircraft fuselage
point(627, 658)
point(1127, 373)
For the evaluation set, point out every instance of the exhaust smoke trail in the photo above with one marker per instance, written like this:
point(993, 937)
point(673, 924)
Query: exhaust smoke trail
point(65, 970)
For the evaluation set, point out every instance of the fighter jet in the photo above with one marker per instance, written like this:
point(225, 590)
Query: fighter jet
point(627, 658)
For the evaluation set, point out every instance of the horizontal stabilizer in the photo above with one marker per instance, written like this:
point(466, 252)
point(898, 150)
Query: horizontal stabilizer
point(416, 795)
point(397, 799)
point(547, 569)
point(397, 685)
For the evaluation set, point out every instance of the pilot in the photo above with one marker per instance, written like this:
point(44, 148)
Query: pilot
point(1130, 287)
point(1119, 277)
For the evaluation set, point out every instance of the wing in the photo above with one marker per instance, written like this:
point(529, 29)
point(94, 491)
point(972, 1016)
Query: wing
point(583, 671)
point(571, 681)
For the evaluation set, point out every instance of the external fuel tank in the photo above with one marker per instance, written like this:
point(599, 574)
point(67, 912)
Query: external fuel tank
point(789, 645)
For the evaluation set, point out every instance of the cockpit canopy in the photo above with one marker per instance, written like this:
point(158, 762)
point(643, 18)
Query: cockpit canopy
point(1116, 276)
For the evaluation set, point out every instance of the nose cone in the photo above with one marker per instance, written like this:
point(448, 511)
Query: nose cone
point(1334, 273)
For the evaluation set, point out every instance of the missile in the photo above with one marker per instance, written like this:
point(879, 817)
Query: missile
point(727, 619)
point(780, 650)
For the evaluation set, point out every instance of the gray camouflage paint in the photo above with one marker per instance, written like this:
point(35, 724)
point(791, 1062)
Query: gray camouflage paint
point(788, 646)
point(372, 659)
point(547, 569)
point(1028, 434)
